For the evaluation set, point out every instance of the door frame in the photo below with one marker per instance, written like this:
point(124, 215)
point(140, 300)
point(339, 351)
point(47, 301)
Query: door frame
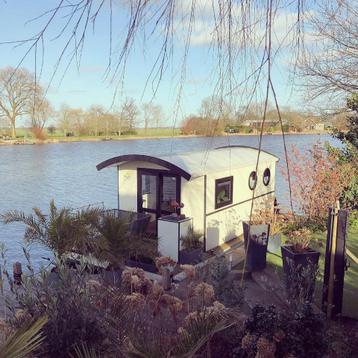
point(159, 174)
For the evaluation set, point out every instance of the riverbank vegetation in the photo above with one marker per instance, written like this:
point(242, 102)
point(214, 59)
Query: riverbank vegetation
point(41, 122)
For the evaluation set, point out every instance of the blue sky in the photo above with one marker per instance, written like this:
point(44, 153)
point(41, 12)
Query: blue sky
point(86, 86)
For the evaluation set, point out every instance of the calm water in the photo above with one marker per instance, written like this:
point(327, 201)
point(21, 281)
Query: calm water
point(33, 175)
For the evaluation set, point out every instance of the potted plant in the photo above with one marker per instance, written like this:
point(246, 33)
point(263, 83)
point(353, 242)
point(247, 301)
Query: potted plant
point(300, 262)
point(256, 236)
point(192, 247)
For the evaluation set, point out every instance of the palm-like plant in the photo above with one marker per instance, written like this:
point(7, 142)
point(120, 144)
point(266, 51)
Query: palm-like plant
point(62, 230)
point(24, 341)
point(115, 243)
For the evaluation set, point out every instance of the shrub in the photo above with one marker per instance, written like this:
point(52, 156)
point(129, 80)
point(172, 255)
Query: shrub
point(72, 306)
point(192, 240)
point(270, 333)
point(129, 132)
point(318, 181)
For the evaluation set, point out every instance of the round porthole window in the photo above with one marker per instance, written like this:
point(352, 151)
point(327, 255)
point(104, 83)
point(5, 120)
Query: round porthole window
point(252, 180)
point(267, 176)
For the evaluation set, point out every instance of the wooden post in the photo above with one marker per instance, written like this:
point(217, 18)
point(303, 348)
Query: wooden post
point(17, 272)
point(335, 262)
point(166, 279)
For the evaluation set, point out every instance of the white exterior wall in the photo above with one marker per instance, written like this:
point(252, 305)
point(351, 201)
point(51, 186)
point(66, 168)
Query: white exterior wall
point(128, 183)
point(192, 196)
point(224, 224)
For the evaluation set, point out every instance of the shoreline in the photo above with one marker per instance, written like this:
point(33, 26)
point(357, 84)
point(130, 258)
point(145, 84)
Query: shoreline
point(11, 142)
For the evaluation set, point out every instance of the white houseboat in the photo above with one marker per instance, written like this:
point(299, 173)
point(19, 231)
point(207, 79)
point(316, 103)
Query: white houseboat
point(212, 191)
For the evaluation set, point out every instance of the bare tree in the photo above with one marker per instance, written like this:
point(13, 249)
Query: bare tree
point(95, 118)
point(39, 113)
point(129, 113)
point(330, 66)
point(152, 115)
point(16, 93)
point(63, 119)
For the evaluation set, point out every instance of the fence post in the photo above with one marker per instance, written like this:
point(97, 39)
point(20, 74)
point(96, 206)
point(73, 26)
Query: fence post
point(335, 262)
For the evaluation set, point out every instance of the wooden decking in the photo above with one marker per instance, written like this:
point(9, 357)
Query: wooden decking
point(234, 250)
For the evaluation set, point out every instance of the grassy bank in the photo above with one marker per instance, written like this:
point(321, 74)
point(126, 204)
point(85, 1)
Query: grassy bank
point(24, 136)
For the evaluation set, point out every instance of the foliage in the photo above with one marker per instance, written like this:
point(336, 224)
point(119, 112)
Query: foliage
point(351, 135)
point(262, 216)
point(63, 230)
point(192, 240)
point(349, 153)
point(353, 220)
point(171, 324)
point(270, 333)
point(298, 235)
point(227, 289)
point(24, 341)
point(318, 181)
point(113, 243)
point(89, 230)
point(71, 304)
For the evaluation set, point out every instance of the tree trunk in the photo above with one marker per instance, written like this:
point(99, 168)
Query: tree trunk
point(13, 129)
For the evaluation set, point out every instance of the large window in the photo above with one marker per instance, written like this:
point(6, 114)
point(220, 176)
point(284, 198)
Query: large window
point(223, 192)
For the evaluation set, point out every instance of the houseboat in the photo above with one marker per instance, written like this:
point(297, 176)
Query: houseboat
point(209, 191)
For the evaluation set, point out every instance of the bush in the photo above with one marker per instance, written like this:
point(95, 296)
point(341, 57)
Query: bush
point(129, 132)
point(269, 333)
point(71, 305)
point(318, 180)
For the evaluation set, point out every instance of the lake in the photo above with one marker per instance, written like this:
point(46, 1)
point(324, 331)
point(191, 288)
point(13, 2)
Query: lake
point(32, 175)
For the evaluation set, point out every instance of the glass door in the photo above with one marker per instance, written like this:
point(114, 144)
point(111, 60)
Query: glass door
point(158, 192)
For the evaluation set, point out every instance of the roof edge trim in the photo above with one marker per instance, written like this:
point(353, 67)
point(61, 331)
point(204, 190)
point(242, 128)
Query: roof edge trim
point(144, 158)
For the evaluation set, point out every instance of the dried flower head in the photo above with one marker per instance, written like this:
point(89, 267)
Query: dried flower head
point(165, 262)
point(205, 291)
point(265, 348)
point(248, 341)
point(135, 300)
point(189, 271)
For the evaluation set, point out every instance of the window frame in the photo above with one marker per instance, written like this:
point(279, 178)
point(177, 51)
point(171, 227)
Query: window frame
point(254, 187)
point(269, 176)
point(220, 181)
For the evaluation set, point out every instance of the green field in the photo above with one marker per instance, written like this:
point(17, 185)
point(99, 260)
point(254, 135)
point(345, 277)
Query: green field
point(140, 132)
point(350, 302)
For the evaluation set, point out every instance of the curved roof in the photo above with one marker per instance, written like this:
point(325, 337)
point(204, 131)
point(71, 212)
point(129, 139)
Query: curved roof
point(143, 158)
point(194, 164)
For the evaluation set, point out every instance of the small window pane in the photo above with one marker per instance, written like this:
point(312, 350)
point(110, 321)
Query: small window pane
point(252, 180)
point(267, 176)
point(223, 192)
point(149, 191)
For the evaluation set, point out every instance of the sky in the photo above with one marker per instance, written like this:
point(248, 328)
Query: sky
point(180, 91)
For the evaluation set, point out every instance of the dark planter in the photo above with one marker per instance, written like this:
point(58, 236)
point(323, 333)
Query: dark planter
point(300, 272)
point(191, 256)
point(144, 263)
point(256, 240)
